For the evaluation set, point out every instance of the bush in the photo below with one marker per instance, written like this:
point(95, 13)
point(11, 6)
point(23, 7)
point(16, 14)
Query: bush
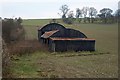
point(68, 20)
point(12, 30)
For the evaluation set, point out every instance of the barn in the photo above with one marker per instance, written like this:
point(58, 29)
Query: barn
point(58, 38)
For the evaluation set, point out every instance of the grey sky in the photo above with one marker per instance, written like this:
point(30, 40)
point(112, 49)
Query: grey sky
point(119, 5)
point(49, 8)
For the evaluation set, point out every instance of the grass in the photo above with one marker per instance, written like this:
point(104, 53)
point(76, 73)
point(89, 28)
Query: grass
point(40, 65)
point(103, 63)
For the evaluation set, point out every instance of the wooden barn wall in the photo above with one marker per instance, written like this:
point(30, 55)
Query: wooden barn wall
point(74, 45)
point(60, 34)
point(53, 26)
point(60, 46)
point(71, 33)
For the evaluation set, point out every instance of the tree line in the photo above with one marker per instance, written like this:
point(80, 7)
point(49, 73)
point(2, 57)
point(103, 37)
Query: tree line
point(89, 15)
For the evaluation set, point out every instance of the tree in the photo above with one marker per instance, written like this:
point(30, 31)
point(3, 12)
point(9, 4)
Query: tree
point(105, 13)
point(84, 12)
point(92, 13)
point(70, 14)
point(11, 30)
point(70, 18)
point(7, 26)
point(64, 9)
point(78, 14)
point(110, 18)
point(19, 20)
point(117, 15)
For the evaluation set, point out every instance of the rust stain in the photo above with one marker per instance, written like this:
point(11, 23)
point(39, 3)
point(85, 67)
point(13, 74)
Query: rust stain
point(88, 39)
point(49, 33)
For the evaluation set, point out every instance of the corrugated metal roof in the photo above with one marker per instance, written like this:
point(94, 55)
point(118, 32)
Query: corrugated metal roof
point(88, 39)
point(49, 33)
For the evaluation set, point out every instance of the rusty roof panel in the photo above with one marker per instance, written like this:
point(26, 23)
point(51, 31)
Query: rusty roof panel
point(49, 33)
point(87, 39)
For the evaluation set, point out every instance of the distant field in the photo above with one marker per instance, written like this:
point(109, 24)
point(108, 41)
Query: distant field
point(46, 64)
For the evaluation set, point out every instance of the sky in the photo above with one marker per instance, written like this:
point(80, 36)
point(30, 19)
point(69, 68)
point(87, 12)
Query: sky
point(43, 9)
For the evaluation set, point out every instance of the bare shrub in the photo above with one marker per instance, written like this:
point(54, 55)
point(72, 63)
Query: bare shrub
point(26, 47)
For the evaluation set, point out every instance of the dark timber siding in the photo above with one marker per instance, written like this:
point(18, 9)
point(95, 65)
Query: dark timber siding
point(73, 45)
point(71, 33)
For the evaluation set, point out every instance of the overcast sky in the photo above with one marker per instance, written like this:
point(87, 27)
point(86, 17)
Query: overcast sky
point(48, 8)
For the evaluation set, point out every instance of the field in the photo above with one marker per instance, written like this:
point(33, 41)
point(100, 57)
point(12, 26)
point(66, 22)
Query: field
point(103, 63)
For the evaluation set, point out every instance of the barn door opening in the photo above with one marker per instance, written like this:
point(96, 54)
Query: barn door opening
point(53, 47)
point(42, 33)
point(46, 41)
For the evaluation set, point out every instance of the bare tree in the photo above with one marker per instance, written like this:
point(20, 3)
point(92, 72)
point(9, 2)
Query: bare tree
point(70, 14)
point(84, 12)
point(70, 18)
point(78, 14)
point(92, 13)
point(64, 9)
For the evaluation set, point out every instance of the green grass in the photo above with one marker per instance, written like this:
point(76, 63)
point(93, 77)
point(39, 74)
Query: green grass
point(40, 65)
point(36, 22)
point(71, 64)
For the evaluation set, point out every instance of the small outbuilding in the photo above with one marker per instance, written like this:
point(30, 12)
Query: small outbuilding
point(71, 44)
point(59, 38)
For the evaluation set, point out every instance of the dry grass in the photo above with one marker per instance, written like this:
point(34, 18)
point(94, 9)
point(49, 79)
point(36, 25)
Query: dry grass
point(5, 61)
point(26, 47)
